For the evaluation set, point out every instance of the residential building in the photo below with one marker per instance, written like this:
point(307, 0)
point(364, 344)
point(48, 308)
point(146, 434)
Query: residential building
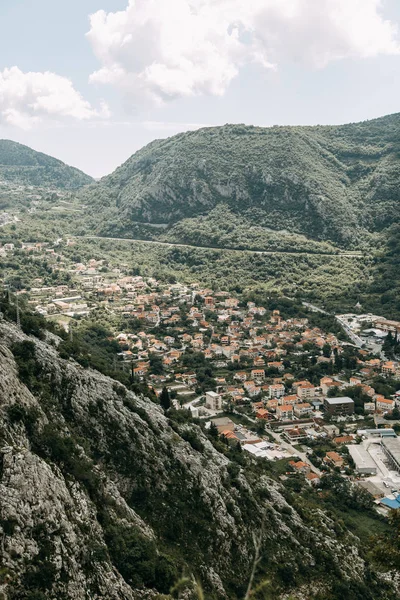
point(334, 459)
point(262, 414)
point(300, 466)
point(385, 405)
point(303, 409)
point(258, 375)
point(388, 368)
point(313, 479)
point(306, 391)
point(213, 401)
point(343, 439)
point(292, 399)
point(276, 391)
point(339, 406)
point(285, 412)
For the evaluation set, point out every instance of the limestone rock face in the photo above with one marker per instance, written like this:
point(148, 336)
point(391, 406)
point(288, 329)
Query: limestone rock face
point(103, 497)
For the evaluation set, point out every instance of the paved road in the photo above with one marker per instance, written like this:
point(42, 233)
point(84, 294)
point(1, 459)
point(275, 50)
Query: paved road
point(354, 338)
point(315, 308)
point(192, 402)
point(173, 244)
point(302, 455)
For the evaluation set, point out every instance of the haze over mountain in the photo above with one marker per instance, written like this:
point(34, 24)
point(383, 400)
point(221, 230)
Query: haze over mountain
point(23, 166)
point(334, 183)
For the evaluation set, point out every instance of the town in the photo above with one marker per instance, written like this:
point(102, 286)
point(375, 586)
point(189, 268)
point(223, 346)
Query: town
point(280, 386)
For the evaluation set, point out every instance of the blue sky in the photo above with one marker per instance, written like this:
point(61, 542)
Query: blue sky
point(151, 68)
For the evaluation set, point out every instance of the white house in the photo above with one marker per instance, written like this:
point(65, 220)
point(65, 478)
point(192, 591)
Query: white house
point(213, 401)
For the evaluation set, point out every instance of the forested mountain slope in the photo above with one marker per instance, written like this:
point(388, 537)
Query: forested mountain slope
point(332, 183)
point(21, 165)
point(383, 294)
point(102, 495)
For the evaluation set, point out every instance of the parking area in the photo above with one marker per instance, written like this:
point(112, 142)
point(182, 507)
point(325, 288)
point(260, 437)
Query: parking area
point(386, 478)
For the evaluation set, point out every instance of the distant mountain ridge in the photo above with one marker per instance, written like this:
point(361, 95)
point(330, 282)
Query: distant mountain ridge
point(21, 165)
point(330, 183)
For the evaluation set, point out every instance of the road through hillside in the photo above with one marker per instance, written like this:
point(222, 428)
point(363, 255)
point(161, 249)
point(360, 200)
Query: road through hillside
point(176, 245)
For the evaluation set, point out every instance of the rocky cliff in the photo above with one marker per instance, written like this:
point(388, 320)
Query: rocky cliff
point(332, 183)
point(103, 496)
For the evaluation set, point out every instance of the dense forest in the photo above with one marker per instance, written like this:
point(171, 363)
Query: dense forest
point(23, 166)
point(336, 184)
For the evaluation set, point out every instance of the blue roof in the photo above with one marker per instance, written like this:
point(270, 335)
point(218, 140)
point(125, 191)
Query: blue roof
point(391, 503)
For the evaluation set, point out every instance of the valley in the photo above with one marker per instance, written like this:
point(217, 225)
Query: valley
point(200, 352)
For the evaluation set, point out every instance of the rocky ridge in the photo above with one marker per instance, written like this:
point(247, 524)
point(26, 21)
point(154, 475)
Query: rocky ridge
point(104, 496)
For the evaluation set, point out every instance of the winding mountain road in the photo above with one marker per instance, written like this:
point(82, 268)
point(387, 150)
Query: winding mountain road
point(245, 250)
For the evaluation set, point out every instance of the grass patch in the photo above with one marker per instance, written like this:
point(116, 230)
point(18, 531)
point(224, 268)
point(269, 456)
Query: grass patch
point(364, 525)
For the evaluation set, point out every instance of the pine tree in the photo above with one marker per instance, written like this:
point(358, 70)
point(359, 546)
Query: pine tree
point(165, 399)
point(214, 430)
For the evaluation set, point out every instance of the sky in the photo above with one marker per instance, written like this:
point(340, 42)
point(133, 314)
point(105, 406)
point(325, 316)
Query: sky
point(92, 81)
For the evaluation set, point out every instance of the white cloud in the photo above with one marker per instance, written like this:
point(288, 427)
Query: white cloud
point(156, 50)
point(26, 99)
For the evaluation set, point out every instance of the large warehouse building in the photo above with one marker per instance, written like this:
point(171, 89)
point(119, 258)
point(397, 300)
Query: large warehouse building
point(365, 464)
point(391, 447)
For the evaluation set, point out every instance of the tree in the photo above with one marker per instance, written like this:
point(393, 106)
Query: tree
point(394, 415)
point(260, 427)
point(386, 549)
point(156, 364)
point(214, 430)
point(165, 399)
point(338, 360)
point(326, 350)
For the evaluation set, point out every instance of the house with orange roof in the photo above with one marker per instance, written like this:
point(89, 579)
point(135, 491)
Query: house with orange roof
point(300, 466)
point(272, 405)
point(313, 479)
point(368, 390)
point(374, 363)
point(258, 375)
point(334, 459)
point(388, 368)
point(229, 435)
point(292, 399)
point(259, 362)
point(284, 412)
point(385, 405)
point(296, 384)
point(262, 414)
point(344, 439)
point(276, 390)
point(306, 390)
point(276, 365)
point(240, 376)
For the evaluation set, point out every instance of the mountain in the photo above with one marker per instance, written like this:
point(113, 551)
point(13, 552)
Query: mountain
point(23, 166)
point(382, 294)
point(104, 496)
point(332, 183)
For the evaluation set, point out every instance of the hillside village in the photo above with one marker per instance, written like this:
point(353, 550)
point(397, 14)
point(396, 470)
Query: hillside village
point(281, 387)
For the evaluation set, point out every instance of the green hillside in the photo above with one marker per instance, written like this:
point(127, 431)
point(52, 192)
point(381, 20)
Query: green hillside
point(21, 165)
point(329, 183)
